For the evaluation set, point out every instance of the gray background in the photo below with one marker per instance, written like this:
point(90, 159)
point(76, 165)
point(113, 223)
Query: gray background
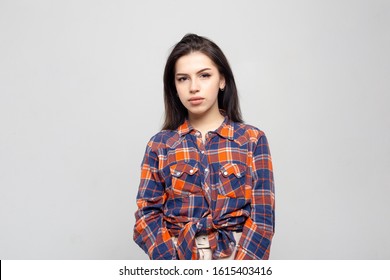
point(81, 94)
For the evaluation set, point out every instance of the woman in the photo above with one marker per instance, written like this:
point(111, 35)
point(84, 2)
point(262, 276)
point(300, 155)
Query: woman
point(207, 189)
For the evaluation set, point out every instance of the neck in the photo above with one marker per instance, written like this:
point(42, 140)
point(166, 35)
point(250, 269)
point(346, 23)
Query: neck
point(207, 122)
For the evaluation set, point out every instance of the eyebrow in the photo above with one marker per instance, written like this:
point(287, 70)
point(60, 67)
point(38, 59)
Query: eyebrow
point(200, 71)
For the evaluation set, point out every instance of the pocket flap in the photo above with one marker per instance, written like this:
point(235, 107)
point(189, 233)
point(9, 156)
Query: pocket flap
point(179, 168)
point(230, 168)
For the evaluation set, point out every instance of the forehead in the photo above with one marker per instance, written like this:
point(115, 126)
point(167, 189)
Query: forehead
point(193, 62)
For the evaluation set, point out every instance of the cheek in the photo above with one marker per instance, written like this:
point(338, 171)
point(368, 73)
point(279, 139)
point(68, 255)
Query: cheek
point(180, 87)
point(180, 94)
point(213, 84)
point(212, 88)
point(179, 90)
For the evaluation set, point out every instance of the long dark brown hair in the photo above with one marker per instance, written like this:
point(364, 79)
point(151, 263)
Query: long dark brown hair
point(175, 112)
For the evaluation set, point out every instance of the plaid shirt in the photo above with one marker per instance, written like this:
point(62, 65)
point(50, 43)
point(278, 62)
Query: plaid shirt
point(189, 187)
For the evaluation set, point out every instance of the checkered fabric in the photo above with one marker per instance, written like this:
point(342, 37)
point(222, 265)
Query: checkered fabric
point(188, 188)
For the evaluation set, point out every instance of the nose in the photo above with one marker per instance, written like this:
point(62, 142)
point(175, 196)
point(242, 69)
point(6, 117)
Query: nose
point(194, 86)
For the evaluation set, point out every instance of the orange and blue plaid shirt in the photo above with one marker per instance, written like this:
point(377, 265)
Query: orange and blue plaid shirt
point(190, 187)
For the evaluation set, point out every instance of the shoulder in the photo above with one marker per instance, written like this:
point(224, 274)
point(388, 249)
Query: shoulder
point(163, 139)
point(247, 133)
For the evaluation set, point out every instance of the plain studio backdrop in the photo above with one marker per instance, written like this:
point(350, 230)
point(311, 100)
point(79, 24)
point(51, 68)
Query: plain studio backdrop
point(81, 94)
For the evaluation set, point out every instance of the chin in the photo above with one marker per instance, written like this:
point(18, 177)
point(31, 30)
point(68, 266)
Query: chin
point(197, 113)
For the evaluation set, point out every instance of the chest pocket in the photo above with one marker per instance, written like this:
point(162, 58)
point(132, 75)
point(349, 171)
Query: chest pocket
point(232, 180)
point(185, 179)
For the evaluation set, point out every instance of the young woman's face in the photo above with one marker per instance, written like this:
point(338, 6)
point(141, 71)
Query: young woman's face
point(198, 81)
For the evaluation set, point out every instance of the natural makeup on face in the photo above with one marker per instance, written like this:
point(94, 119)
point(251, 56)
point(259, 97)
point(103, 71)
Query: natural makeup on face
point(198, 81)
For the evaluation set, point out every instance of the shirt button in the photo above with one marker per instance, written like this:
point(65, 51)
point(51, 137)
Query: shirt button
point(225, 173)
point(202, 152)
point(197, 134)
point(192, 171)
point(177, 173)
point(206, 170)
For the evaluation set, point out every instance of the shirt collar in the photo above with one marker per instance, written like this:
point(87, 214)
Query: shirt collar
point(184, 128)
point(225, 130)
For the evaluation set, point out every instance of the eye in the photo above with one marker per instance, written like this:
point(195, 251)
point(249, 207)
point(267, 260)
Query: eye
point(181, 79)
point(205, 75)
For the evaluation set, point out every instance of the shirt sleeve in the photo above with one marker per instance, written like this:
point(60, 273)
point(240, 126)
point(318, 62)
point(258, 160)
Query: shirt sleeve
point(258, 229)
point(150, 232)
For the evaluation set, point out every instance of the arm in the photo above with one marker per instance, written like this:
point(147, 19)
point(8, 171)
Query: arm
point(150, 232)
point(259, 228)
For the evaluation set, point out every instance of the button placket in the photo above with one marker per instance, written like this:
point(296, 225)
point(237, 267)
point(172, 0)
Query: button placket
point(205, 164)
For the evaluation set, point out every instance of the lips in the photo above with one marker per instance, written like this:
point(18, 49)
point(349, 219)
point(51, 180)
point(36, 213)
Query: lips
point(196, 100)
